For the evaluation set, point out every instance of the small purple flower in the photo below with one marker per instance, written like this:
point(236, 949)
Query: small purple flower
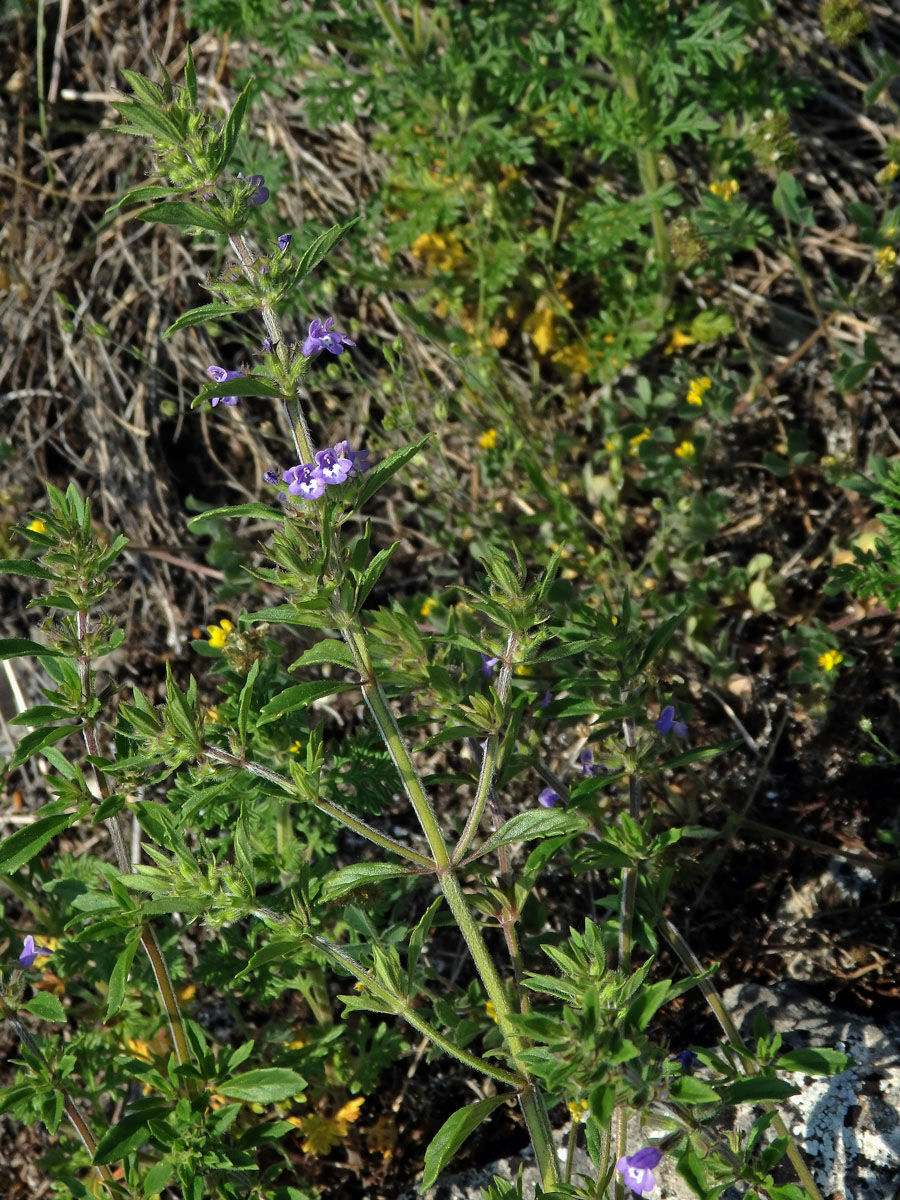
point(322, 337)
point(220, 375)
point(260, 193)
point(30, 952)
point(284, 241)
point(637, 1169)
point(331, 468)
point(268, 345)
point(667, 723)
point(488, 662)
point(359, 459)
point(586, 760)
point(548, 798)
point(304, 480)
point(688, 1060)
point(270, 476)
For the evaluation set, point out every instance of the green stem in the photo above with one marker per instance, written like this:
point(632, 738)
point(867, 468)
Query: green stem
point(333, 810)
point(396, 32)
point(722, 1015)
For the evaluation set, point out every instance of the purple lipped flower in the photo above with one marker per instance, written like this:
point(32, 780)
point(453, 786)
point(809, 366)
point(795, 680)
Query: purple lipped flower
point(260, 193)
point(359, 459)
point(304, 480)
point(546, 698)
point(688, 1060)
point(268, 345)
point(270, 476)
point(637, 1169)
point(284, 240)
point(331, 468)
point(586, 761)
point(488, 662)
point(30, 951)
point(220, 375)
point(667, 723)
point(322, 337)
point(548, 798)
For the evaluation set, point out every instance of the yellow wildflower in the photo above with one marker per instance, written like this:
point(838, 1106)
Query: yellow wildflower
point(187, 993)
point(830, 659)
point(685, 450)
point(540, 325)
point(298, 1043)
point(574, 359)
point(296, 747)
point(322, 1134)
point(498, 337)
point(381, 1138)
point(427, 605)
point(37, 526)
point(726, 188)
point(678, 339)
point(350, 1111)
point(491, 1011)
point(523, 669)
point(139, 1049)
point(697, 388)
point(487, 441)
point(609, 338)
point(211, 716)
point(635, 441)
point(578, 1110)
point(886, 259)
point(218, 634)
point(888, 173)
point(439, 251)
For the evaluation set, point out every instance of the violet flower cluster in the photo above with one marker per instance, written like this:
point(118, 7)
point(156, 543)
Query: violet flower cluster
point(332, 467)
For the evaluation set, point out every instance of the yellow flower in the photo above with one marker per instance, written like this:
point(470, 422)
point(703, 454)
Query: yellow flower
point(635, 441)
point(609, 338)
point(491, 1011)
point(350, 1111)
point(439, 251)
point(523, 669)
point(697, 388)
point(678, 339)
point(888, 173)
point(726, 188)
point(578, 1110)
point(298, 1043)
point(186, 993)
point(685, 450)
point(574, 359)
point(324, 1133)
point(218, 634)
point(886, 259)
point(139, 1049)
point(498, 337)
point(381, 1138)
point(830, 659)
point(211, 715)
point(295, 748)
point(540, 326)
point(487, 441)
point(37, 526)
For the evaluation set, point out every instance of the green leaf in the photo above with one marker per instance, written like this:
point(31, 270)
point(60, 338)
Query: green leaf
point(119, 977)
point(24, 566)
point(358, 875)
point(233, 127)
point(528, 826)
point(46, 1006)
point(127, 1135)
point(700, 754)
point(250, 385)
point(267, 1085)
point(790, 200)
point(142, 195)
point(660, 638)
point(24, 648)
point(25, 843)
point(373, 573)
point(302, 695)
point(244, 703)
point(190, 79)
point(146, 121)
point(689, 1090)
point(197, 316)
point(756, 1088)
point(157, 1178)
point(378, 476)
point(650, 999)
point(815, 1062)
point(238, 510)
point(329, 650)
point(184, 214)
point(325, 242)
point(453, 1133)
point(143, 87)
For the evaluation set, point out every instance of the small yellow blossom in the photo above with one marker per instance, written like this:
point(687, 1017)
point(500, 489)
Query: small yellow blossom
point(574, 359)
point(381, 1138)
point(609, 338)
point(211, 716)
point(635, 441)
point(523, 669)
point(578, 1110)
point(37, 526)
point(322, 1134)
point(295, 748)
point(726, 188)
point(498, 337)
point(541, 327)
point(487, 441)
point(218, 634)
point(610, 445)
point(888, 173)
point(139, 1049)
point(685, 450)
point(678, 339)
point(491, 1011)
point(508, 176)
point(830, 659)
point(427, 605)
point(697, 388)
point(439, 251)
point(187, 993)
point(350, 1111)
point(886, 259)
point(298, 1043)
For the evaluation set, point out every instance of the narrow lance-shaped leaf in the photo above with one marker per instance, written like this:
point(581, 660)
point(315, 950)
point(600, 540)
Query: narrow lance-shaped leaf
point(184, 214)
point(381, 473)
point(233, 127)
point(451, 1135)
point(323, 244)
point(250, 385)
point(25, 843)
point(197, 316)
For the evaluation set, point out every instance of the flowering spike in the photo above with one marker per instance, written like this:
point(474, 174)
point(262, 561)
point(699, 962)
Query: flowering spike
point(322, 337)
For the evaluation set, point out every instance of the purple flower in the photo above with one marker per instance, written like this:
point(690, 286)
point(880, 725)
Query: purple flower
point(270, 476)
point(322, 337)
point(586, 759)
point(488, 663)
point(304, 480)
point(688, 1060)
point(220, 375)
point(359, 459)
point(637, 1169)
point(284, 241)
point(331, 468)
point(548, 798)
point(268, 345)
point(30, 952)
point(260, 193)
point(667, 723)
